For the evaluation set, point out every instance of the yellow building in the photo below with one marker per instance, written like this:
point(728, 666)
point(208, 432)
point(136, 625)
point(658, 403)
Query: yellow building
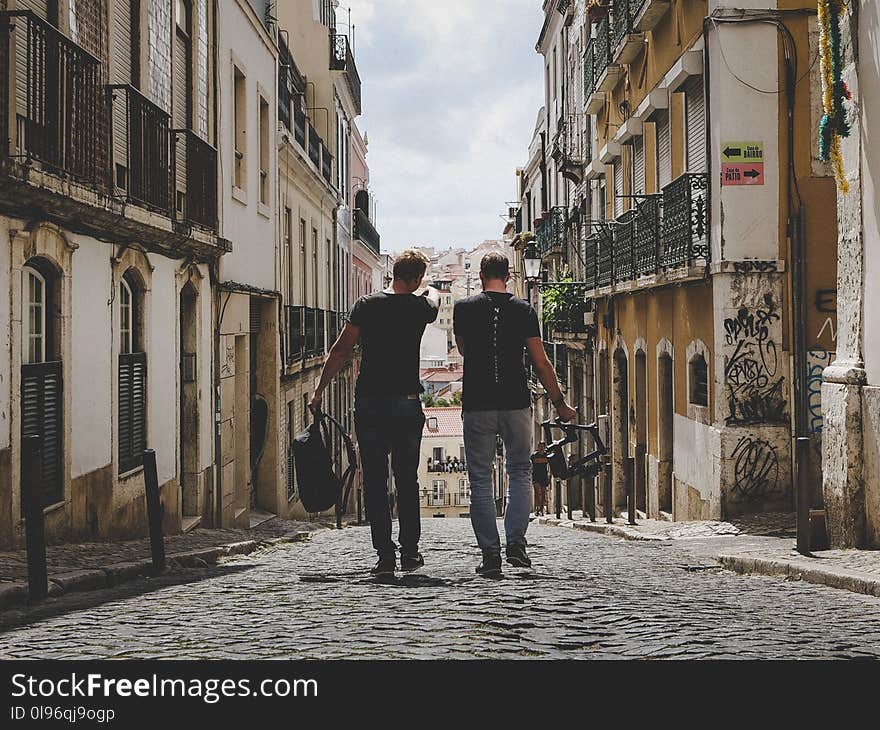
point(680, 192)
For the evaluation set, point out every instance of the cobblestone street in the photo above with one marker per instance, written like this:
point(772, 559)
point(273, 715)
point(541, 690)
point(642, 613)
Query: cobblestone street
point(590, 596)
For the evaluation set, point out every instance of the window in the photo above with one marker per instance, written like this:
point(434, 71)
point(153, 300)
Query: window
point(439, 490)
point(240, 127)
point(264, 151)
point(35, 319)
point(181, 15)
point(132, 375)
point(288, 251)
point(315, 294)
point(438, 452)
point(699, 380)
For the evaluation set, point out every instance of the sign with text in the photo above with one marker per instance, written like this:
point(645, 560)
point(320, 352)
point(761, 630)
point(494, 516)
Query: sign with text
point(742, 153)
point(742, 174)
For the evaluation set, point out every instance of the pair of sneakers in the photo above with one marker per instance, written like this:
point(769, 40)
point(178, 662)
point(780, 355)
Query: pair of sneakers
point(516, 556)
point(409, 562)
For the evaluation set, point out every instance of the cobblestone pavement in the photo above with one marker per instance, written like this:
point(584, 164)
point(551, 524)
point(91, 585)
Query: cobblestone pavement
point(589, 596)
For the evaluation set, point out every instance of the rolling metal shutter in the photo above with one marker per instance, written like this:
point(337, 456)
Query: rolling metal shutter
point(41, 415)
point(120, 58)
point(695, 111)
point(40, 8)
point(618, 187)
point(639, 166)
point(180, 99)
point(132, 410)
point(664, 150)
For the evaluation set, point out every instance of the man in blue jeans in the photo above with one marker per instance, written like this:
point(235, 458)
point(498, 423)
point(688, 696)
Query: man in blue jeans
point(388, 412)
point(493, 330)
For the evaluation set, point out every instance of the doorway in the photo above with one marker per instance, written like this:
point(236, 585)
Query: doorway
point(620, 426)
point(192, 496)
point(641, 430)
point(665, 426)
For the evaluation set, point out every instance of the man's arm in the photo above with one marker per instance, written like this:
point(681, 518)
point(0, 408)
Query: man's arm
point(547, 375)
point(459, 343)
point(433, 296)
point(339, 355)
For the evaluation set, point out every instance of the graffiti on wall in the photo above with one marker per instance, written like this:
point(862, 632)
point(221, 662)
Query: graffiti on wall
point(754, 385)
point(755, 469)
point(819, 357)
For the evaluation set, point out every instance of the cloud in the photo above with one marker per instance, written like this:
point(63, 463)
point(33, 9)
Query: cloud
point(450, 93)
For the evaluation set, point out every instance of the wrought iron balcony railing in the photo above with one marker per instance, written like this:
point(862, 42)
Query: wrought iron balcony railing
point(686, 220)
point(590, 68)
point(570, 316)
point(624, 237)
point(342, 59)
point(647, 237)
point(291, 84)
point(591, 259)
point(53, 97)
point(299, 122)
point(605, 259)
point(550, 238)
point(295, 330)
point(141, 149)
point(568, 149)
point(199, 183)
point(604, 43)
point(451, 466)
point(623, 13)
point(365, 231)
point(314, 146)
point(326, 164)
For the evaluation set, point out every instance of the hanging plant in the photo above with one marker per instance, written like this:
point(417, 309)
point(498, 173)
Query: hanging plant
point(835, 124)
point(562, 307)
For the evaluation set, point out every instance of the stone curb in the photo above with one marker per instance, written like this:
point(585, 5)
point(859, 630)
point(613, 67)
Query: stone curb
point(16, 593)
point(602, 528)
point(805, 570)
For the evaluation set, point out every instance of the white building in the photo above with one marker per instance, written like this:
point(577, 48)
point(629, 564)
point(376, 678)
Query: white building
point(443, 480)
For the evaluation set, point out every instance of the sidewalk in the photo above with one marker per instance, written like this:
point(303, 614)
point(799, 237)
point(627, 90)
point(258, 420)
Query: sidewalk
point(753, 545)
point(90, 566)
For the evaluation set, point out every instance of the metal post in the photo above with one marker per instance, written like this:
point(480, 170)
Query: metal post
point(557, 494)
point(154, 510)
point(590, 492)
point(360, 513)
point(568, 494)
point(606, 484)
point(803, 496)
point(34, 519)
point(631, 487)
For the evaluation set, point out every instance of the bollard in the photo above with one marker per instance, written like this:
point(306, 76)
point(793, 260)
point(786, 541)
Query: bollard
point(568, 496)
point(154, 511)
point(631, 487)
point(360, 512)
point(803, 497)
point(557, 492)
point(34, 519)
point(606, 484)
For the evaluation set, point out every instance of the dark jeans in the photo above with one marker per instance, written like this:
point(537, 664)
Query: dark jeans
point(390, 425)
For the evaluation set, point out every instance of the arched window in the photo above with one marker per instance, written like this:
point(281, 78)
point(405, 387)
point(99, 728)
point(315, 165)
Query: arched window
point(132, 394)
point(699, 380)
point(125, 317)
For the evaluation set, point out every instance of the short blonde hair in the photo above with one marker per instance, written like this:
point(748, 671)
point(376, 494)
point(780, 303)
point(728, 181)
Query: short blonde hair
point(411, 265)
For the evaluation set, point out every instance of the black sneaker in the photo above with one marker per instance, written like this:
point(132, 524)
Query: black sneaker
point(491, 564)
point(411, 561)
point(517, 557)
point(386, 566)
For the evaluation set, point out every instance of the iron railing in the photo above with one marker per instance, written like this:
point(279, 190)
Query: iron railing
point(550, 237)
point(450, 466)
point(299, 122)
point(624, 237)
point(312, 346)
point(647, 237)
point(603, 43)
point(54, 98)
point(622, 17)
point(314, 146)
point(291, 84)
point(342, 59)
point(295, 328)
point(591, 259)
point(605, 259)
point(590, 76)
point(686, 220)
point(326, 164)
point(569, 317)
point(141, 149)
point(365, 231)
point(200, 185)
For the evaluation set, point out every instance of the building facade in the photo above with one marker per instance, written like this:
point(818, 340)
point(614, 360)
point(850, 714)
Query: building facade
point(697, 259)
point(443, 478)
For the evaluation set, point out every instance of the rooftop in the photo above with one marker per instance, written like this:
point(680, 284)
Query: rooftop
point(443, 423)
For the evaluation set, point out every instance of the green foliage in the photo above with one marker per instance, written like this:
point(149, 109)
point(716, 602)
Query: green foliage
point(563, 306)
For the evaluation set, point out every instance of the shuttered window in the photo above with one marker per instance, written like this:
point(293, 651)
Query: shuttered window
point(120, 58)
point(132, 410)
point(664, 150)
point(41, 415)
point(639, 166)
point(695, 125)
point(618, 187)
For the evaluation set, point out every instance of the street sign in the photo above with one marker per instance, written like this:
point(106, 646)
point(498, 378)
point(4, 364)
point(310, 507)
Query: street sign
point(752, 174)
point(742, 152)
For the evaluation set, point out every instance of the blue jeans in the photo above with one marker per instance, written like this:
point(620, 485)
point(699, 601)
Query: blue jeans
point(480, 431)
point(390, 424)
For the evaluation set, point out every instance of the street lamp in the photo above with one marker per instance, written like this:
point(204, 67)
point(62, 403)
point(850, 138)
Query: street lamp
point(532, 263)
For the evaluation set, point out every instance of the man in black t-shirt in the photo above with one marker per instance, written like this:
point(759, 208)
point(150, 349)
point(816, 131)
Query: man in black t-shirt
point(388, 408)
point(493, 331)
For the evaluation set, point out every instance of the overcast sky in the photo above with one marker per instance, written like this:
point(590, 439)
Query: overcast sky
point(451, 91)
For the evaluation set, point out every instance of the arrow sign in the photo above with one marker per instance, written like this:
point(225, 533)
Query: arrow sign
point(740, 174)
point(738, 153)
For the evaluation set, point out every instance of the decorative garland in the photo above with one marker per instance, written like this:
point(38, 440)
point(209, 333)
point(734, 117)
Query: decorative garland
point(835, 92)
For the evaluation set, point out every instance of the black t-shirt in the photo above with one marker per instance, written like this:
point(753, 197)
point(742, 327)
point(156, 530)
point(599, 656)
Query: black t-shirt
point(391, 328)
point(495, 327)
point(540, 475)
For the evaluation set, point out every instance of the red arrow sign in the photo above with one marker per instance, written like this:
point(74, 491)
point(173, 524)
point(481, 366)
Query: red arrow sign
point(742, 174)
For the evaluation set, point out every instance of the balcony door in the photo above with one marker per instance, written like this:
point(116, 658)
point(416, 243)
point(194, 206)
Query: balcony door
point(181, 96)
point(41, 374)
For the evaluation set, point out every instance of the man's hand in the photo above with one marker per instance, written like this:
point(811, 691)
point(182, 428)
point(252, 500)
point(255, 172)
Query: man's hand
point(315, 403)
point(566, 412)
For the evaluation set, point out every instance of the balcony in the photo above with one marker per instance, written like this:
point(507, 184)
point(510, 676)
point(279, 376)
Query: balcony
point(647, 14)
point(141, 145)
point(623, 237)
point(569, 316)
point(568, 150)
point(606, 71)
point(686, 220)
point(365, 231)
point(591, 252)
point(647, 238)
point(52, 94)
point(294, 328)
point(450, 466)
point(299, 122)
point(291, 84)
point(550, 238)
point(315, 144)
point(605, 259)
point(627, 42)
point(445, 500)
point(342, 59)
point(326, 164)
point(196, 179)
